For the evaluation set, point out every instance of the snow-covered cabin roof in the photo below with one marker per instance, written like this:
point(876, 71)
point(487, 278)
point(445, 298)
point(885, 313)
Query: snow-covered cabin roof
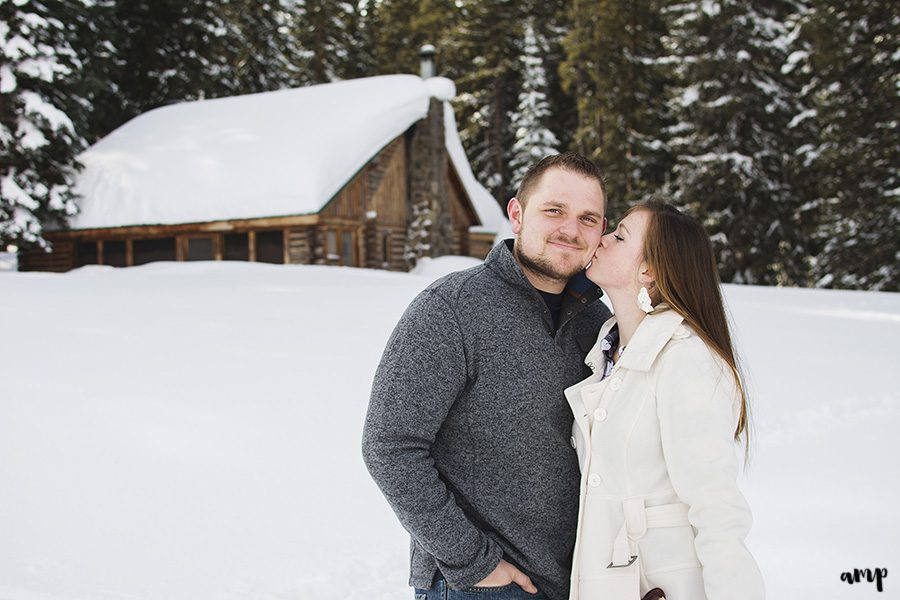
point(261, 155)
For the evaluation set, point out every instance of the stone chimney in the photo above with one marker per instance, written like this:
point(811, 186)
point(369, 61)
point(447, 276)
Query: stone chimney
point(430, 222)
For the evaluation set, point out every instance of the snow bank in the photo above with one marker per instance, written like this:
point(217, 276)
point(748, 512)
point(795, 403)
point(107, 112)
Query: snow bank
point(435, 268)
point(8, 261)
point(191, 430)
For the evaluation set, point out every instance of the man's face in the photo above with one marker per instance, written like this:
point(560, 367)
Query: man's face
point(560, 226)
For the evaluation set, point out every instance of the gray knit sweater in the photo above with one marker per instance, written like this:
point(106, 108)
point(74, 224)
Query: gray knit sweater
point(467, 432)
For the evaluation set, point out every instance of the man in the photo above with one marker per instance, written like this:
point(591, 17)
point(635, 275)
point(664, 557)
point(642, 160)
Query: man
point(468, 431)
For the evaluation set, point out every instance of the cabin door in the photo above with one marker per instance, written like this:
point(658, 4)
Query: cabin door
point(340, 247)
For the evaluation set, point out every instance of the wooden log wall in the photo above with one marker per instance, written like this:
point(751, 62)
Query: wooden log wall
point(350, 202)
point(385, 247)
point(300, 244)
point(60, 260)
point(480, 244)
point(390, 197)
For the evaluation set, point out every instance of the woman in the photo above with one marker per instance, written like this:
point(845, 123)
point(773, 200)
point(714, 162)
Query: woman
point(656, 424)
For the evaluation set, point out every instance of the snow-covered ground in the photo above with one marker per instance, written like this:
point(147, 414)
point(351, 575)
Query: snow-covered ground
point(185, 431)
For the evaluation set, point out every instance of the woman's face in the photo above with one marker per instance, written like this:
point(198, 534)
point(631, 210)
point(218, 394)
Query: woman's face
point(618, 260)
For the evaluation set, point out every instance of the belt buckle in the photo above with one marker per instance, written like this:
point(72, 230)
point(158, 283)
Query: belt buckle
point(628, 564)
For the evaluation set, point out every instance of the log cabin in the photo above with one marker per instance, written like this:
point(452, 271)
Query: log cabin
point(364, 173)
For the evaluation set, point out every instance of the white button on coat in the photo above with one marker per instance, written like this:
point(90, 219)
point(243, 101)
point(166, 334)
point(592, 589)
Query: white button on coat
point(615, 383)
point(600, 414)
point(594, 480)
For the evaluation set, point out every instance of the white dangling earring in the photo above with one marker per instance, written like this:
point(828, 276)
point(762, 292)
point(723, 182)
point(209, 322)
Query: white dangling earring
point(644, 301)
point(589, 264)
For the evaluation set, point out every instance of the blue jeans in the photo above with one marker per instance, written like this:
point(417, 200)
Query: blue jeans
point(441, 591)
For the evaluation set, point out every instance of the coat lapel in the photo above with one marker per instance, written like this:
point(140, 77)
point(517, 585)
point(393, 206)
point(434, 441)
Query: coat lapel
point(651, 336)
point(595, 358)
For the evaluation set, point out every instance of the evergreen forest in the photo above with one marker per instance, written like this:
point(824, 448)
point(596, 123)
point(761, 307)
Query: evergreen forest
point(774, 121)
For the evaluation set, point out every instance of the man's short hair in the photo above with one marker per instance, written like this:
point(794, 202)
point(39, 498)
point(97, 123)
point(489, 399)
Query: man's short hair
point(570, 161)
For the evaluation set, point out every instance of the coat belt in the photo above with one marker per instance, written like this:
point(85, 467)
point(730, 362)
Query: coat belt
point(640, 518)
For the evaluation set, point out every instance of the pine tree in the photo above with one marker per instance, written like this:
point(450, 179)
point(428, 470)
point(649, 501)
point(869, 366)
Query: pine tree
point(359, 60)
point(849, 55)
point(617, 69)
point(552, 21)
point(534, 140)
point(734, 107)
point(399, 28)
point(325, 32)
point(95, 35)
point(263, 50)
point(38, 139)
point(489, 38)
point(165, 51)
point(578, 73)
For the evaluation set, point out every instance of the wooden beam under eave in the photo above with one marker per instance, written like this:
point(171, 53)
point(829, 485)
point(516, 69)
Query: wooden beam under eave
point(143, 231)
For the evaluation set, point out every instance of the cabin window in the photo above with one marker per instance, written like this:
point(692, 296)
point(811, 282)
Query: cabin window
point(86, 254)
point(331, 247)
point(114, 253)
point(200, 248)
point(340, 247)
point(386, 249)
point(270, 247)
point(152, 250)
point(348, 254)
point(237, 246)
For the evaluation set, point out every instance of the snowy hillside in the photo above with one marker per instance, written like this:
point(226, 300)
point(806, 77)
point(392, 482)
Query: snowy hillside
point(186, 431)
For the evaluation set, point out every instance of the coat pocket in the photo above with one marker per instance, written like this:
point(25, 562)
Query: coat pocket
point(679, 582)
point(668, 548)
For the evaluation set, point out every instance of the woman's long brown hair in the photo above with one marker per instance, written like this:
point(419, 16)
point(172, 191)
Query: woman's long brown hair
point(678, 251)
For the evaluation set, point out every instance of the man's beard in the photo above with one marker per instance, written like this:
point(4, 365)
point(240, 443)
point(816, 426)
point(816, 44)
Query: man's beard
point(544, 267)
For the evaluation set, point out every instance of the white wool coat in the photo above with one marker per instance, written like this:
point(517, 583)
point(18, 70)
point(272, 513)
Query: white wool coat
point(655, 442)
